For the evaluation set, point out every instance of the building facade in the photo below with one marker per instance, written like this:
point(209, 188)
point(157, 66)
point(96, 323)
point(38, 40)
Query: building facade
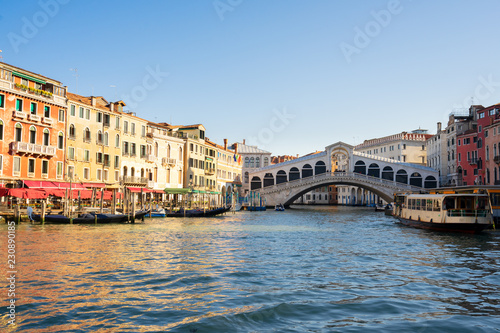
point(32, 126)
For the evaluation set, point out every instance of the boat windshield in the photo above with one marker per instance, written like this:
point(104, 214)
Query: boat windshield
point(465, 205)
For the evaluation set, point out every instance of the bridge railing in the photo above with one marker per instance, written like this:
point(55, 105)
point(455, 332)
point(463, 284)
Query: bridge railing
point(338, 175)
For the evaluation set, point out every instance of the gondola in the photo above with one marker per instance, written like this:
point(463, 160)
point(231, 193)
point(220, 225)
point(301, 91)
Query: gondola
point(198, 212)
point(88, 218)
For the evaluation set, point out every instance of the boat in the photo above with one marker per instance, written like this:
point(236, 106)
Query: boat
point(379, 208)
point(279, 208)
point(158, 212)
point(198, 212)
point(88, 218)
point(467, 213)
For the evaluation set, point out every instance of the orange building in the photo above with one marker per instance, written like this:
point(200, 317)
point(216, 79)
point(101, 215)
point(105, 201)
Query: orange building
point(32, 126)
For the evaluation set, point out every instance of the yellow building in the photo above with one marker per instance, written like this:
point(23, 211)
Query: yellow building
point(229, 171)
point(93, 140)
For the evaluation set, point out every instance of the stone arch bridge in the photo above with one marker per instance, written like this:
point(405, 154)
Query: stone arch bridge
point(339, 164)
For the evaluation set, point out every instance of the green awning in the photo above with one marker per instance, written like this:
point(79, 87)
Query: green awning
point(177, 190)
point(27, 77)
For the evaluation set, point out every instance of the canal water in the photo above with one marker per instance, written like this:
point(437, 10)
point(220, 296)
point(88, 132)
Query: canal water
point(321, 269)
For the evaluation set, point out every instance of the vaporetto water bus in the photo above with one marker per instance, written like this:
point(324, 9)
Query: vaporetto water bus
point(463, 212)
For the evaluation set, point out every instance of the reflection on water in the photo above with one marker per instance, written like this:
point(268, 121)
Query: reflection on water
point(316, 269)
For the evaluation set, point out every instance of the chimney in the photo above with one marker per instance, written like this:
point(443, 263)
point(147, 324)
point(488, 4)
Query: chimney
point(92, 100)
point(112, 106)
point(439, 128)
point(225, 144)
point(243, 141)
point(236, 147)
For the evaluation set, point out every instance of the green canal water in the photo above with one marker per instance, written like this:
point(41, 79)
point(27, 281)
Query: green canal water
point(321, 269)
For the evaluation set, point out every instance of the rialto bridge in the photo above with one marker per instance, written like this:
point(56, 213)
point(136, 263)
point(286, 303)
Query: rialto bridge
point(339, 164)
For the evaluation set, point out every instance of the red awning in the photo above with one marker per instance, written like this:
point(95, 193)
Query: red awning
point(92, 185)
point(24, 193)
point(138, 189)
point(67, 185)
point(39, 184)
point(159, 191)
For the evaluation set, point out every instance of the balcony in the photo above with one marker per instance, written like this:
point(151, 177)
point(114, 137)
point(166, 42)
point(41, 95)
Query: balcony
point(34, 117)
point(48, 121)
point(151, 184)
point(19, 114)
point(210, 172)
point(87, 140)
point(167, 161)
point(32, 149)
point(496, 159)
point(129, 180)
point(150, 158)
point(472, 161)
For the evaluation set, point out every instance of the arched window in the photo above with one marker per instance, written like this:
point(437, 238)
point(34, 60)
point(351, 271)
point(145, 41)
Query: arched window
point(46, 137)
point(294, 174)
point(268, 180)
point(124, 171)
point(32, 134)
point(252, 164)
point(416, 179)
point(86, 135)
point(388, 173)
point(156, 151)
point(360, 167)
point(402, 176)
point(72, 132)
point(320, 168)
point(99, 137)
point(281, 177)
point(132, 171)
point(257, 164)
point(307, 171)
point(60, 140)
point(430, 182)
point(256, 183)
point(106, 139)
point(374, 170)
point(247, 162)
point(117, 141)
point(266, 161)
point(18, 132)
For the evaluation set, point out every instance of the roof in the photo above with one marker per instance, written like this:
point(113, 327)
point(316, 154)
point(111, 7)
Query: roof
point(246, 149)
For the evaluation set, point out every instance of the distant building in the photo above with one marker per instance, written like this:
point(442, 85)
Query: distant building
point(253, 158)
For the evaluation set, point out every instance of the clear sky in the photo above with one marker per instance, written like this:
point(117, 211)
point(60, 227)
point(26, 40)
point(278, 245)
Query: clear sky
point(290, 76)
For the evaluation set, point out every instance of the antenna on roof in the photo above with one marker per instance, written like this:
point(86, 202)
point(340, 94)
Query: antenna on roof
point(76, 75)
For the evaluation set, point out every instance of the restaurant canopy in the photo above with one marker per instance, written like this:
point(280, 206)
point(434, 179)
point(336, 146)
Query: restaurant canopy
point(177, 190)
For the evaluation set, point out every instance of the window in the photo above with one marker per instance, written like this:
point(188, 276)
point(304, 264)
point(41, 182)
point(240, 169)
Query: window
point(86, 135)
point(143, 131)
point(99, 137)
point(72, 132)
point(59, 172)
point(1, 129)
point(99, 174)
point(106, 120)
point(486, 133)
point(117, 123)
point(33, 108)
point(132, 128)
point(46, 111)
point(71, 153)
point(125, 127)
point(117, 175)
point(32, 134)
point(87, 114)
point(99, 117)
point(19, 105)
point(81, 112)
point(18, 132)
point(46, 137)
point(480, 128)
point(2, 101)
point(86, 173)
point(45, 168)
point(61, 115)
point(106, 175)
point(86, 155)
point(72, 110)
point(106, 140)
point(117, 141)
point(133, 149)
point(31, 167)
point(117, 161)
point(98, 157)
point(125, 148)
point(16, 171)
point(71, 171)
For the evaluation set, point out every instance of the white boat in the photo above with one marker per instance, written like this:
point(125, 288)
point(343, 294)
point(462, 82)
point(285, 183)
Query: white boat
point(279, 208)
point(469, 213)
point(379, 208)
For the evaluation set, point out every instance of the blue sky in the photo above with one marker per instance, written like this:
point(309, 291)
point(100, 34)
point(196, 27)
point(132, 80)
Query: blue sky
point(290, 76)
